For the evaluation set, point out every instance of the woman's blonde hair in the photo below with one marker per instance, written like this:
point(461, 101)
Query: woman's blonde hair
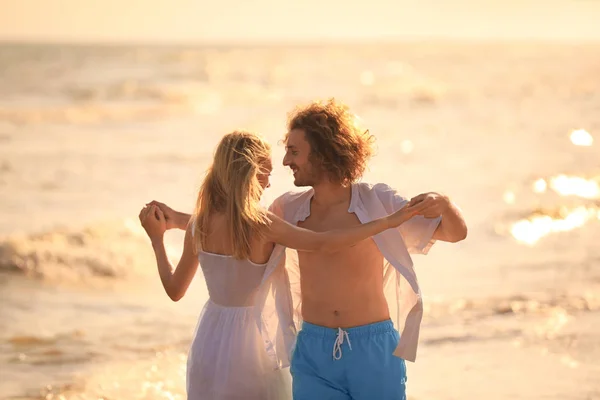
point(231, 187)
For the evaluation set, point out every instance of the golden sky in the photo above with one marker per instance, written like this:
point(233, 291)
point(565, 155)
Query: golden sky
point(280, 20)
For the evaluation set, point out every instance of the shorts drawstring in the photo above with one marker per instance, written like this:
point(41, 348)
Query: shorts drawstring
point(337, 345)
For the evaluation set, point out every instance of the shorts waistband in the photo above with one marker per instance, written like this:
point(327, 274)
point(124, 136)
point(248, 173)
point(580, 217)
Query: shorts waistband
point(362, 330)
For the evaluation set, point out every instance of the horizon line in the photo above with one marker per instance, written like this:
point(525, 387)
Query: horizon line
point(297, 42)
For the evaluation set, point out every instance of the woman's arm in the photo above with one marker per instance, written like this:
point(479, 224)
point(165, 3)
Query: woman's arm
point(175, 282)
point(286, 234)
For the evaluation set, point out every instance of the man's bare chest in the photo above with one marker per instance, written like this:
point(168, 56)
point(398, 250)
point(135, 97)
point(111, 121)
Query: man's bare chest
point(324, 221)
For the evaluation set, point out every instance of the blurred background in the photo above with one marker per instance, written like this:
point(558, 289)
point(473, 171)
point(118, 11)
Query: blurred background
point(107, 105)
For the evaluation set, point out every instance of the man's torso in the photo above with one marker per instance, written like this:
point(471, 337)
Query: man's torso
point(345, 288)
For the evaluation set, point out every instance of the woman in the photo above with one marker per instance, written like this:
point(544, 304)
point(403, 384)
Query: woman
point(233, 239)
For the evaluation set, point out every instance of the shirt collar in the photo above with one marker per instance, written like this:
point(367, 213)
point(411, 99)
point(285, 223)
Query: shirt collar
point(304, 210)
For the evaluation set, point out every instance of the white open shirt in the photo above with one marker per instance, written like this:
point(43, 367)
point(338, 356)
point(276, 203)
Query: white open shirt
point(278, 305)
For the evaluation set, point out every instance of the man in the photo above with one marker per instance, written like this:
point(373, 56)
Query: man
point(347, 347)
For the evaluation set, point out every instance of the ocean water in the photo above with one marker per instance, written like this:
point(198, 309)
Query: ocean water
point(89, 134)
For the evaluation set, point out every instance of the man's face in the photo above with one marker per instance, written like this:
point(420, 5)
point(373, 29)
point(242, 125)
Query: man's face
point(263, 175)
point(297, 157)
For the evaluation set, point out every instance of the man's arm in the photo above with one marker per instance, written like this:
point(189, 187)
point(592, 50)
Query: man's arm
point(181, 220)
point(439, 219)
point(452, 227)
point(175, 219)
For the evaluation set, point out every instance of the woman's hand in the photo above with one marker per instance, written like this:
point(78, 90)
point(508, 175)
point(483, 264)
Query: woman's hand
point(154, 223)
point(402, 215)
point(431, 205)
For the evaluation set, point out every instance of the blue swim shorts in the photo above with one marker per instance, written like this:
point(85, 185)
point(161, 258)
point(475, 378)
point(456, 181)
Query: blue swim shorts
point(354, 363)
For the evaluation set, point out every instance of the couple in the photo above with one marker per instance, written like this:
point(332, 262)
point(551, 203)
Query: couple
point(344, 310)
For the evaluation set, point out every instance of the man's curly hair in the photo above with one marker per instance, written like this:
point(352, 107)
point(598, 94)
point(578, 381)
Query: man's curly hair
point(339, 147)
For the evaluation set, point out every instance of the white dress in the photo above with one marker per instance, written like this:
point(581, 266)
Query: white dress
point(228, 359)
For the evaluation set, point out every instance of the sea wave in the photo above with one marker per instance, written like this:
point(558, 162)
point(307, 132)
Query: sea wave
point(107, 250)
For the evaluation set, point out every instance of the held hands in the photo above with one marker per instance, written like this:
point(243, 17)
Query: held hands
point(154, 222)
point(168, 212)
point(429, 205)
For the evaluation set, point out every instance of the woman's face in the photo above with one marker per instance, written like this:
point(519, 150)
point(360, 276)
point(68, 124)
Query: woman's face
point(264, 173)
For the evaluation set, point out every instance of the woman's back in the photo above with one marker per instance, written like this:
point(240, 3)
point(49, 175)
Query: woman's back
point(231, 282)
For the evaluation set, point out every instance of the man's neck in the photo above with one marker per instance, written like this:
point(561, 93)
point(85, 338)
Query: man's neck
point(328, 194)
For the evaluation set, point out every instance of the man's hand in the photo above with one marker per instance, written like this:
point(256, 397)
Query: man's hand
point(430, 205)
point(169, 214)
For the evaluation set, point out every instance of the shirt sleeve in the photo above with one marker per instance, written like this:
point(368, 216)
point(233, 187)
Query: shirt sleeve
point(417, 232)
